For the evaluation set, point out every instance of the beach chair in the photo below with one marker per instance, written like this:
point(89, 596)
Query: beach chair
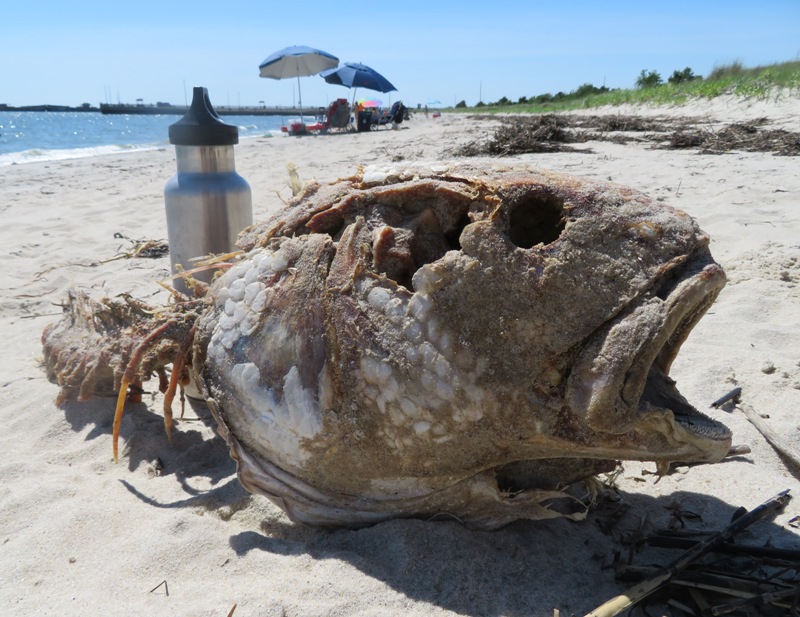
point(394, 116)
point(338, 115)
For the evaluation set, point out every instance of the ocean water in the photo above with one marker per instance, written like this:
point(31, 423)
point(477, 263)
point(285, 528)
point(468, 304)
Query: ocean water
point(28, 136)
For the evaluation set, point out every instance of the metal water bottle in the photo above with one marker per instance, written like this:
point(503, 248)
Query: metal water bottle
point(207, 202)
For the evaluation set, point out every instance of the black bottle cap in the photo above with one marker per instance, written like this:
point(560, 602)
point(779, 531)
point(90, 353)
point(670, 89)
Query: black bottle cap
point(201, 126)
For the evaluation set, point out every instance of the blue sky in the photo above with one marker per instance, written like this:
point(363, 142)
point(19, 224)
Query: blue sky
point(69, 53)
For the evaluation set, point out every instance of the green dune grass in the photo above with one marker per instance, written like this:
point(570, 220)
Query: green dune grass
point(758, 82)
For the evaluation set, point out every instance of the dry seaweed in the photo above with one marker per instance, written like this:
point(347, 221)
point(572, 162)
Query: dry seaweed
point(552, 132)
point(526, 134)
point(622, 123)
point(747, 137)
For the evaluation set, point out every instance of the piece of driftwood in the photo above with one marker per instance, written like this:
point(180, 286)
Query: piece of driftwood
point(641, 590)
point(770, 552)
point(775, 440)
point(700, 600)
point(728, 583)
point(744, 591)
point(730, 396)
point(770, 597)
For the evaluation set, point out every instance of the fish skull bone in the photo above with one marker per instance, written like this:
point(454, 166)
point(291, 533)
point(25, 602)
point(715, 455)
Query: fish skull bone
point(393, 343)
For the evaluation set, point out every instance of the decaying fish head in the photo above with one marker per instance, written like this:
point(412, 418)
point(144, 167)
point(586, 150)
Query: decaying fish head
point(455, 339)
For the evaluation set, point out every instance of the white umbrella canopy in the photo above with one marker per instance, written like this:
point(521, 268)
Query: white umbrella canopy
point(297, 61)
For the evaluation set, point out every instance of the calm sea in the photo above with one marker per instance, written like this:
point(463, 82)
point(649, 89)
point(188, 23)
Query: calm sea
point(45, 136)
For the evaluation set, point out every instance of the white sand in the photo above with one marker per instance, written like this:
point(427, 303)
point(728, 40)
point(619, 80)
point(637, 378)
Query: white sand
point(80, 535)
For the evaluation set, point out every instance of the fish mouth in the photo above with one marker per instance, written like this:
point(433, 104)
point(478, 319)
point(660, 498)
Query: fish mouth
point(621, 380)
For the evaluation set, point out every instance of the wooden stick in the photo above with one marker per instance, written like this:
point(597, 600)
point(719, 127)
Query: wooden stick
point(726, 591)
point(680, 606)
point(667, 541)
point(640, 591)
point(700, 600)
point(775, 440)
point(732, 395)
point(770, 597)
point(704, 578)
point(730, 583)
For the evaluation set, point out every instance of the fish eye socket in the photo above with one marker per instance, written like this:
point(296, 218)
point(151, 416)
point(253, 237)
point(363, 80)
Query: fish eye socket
point(536, 219)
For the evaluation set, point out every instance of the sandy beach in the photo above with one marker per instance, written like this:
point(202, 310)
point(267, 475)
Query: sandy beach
point(81, 535)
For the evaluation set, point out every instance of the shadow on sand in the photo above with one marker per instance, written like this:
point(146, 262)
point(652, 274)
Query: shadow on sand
point(195, 452)
point(526, 568)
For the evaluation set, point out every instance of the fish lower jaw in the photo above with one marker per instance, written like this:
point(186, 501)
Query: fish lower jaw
point(674, 437)
point(661, 396)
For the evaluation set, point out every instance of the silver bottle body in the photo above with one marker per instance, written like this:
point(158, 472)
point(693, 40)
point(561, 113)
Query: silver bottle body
point(207, 205)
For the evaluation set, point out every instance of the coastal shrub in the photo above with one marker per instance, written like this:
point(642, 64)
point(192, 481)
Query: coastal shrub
point(587, 89)
point(648, 79)
point(461, 104)
point(679, 77)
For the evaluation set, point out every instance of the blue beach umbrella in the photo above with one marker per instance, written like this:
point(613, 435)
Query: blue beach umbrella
point(297, 61)
point(355, 75)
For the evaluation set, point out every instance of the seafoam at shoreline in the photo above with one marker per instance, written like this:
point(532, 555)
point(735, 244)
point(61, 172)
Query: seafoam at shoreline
point(45, 156)
point(51, 136)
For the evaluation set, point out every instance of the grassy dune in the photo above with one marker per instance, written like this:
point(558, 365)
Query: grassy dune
point(759, 82)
